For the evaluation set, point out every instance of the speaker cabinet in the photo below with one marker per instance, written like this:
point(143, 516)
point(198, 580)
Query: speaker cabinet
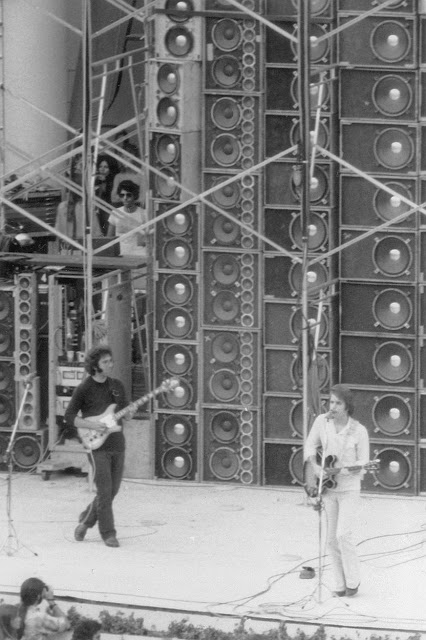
point(176, 237)
point(289, 8)
point(283, 464)
point(232, 55)
point(283, 417)
point(281, 185)
point(372, 308)
point(359, 6)
point(7, 394)
point(378, 41)
point(285, 51)
point(375, 361)
point(283, 370)
point(379, 148)
point(178, 360)
point(177, 33)
point(231, 132)
point(363, 204)
point(397, 471)
point(381, 256)
point(230, 445)
point(176, 306)
point(176, 158)
point(231, 368)
point(283, 323)
point(283, 132)
point(176, 446)
point(282, 90)
point(283, 277)
point(374, 94)
point(284, 227)
point(387, 414)
point(28, 448)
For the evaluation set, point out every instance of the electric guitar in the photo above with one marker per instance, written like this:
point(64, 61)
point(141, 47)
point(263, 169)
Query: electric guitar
point(311, 482)
point(93, 438)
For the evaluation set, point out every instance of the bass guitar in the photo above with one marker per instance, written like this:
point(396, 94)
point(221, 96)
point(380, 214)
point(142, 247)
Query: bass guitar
point(94, 438)
point(311, 481)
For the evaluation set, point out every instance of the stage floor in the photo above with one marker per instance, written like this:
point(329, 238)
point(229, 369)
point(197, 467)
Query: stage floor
point(220, 551)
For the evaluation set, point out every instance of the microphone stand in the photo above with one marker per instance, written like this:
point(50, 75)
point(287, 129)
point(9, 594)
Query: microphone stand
point(319, 506)
point(12, 544)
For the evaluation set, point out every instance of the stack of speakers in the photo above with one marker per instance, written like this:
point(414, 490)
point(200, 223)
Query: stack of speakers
point(18, 354)
point(173, 131)
point(282, 282)
point(231, 264)
point(381, 134)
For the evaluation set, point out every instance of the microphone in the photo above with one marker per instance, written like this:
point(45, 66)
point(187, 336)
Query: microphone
point(27, 379)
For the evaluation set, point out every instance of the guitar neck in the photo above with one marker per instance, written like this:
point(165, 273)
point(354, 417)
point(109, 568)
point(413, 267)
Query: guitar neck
point(137, 403)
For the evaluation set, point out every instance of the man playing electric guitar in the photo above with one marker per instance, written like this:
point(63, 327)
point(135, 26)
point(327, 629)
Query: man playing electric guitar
point(338, 434)
point(91, 398)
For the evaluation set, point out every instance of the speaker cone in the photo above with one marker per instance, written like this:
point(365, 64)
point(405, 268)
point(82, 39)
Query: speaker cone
point(226, 307)
point(178, 289)
point(224, 427)
point(395, 469)
point(168, 78)
point(179, 42)
point(316, 6)
point(228, 196)
point(297, 323)
point(225, 231)
point(178, 401)
point(296, 418)
point(296, 466)
point(26, 452)
point(227, 35)
point(224, 385)
point(225, 347)
point(391, 41)
point(319, 373)
point(392, 95)
point(178, 223)
point(224, 463)
point(167, 149)
point(176, 10)
point(6, 410)
point(392, 256)
point(6, 308)
point(6, 376)
point(393, 309)
point(323, 138)
point(167, 112)
point(177, 463)
point(177, 360)
point(226, 113)
point(177, 253)
point(394, 148)
point(166, 184)
point(226, 71)
point(393, 362)
point(226, 269)
point(226, 150)
point(318, 50)
point(392, 415)
point(314, 90)
point(317, 232)
point(176, 430)
point(178, 323)
point(388, 206)
point(317, 276)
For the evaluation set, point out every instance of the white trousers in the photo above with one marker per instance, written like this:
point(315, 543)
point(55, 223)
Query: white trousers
point(342, 509)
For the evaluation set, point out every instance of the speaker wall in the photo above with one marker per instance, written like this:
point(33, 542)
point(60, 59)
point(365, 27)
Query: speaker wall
point(378, 148)
point(283, 370)
point(382, 256)
point(365, 204)
point(176, 446)
point(283, 277)
point(283, 416)
point(359, 6)
point(283, 323)
point(176, 306)
point(282, 90)
point(378, 41)
point(177, 34)
point(385, 361)
point(373, 308)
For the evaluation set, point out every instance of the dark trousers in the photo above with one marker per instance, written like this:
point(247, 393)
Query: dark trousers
point(108, 472)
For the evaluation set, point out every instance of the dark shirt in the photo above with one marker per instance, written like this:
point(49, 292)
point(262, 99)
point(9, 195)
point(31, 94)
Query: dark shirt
point(92, 398)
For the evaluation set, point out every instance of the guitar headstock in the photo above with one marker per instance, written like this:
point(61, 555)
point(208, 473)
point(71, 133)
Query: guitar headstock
point(373, 465)
point(169, 384)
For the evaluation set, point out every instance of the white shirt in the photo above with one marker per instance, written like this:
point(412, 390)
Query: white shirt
point(124, 222)
point(350, 445)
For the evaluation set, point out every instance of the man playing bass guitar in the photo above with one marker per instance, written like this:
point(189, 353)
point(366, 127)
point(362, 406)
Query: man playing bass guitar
point(91, 398)
point(343, 438)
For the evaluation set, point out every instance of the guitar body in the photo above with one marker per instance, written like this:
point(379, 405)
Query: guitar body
point(311, 482)
point(92, 438)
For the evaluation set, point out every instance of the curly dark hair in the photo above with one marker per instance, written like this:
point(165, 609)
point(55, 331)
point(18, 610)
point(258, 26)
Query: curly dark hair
point(93, 356)
point(86, 629)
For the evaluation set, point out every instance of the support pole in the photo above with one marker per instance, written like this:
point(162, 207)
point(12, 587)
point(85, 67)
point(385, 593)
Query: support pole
point(304, 155)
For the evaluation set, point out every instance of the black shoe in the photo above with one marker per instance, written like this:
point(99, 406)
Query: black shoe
point(80, 532)
point(340, 594)
point(112, 542)
point(351, 592)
